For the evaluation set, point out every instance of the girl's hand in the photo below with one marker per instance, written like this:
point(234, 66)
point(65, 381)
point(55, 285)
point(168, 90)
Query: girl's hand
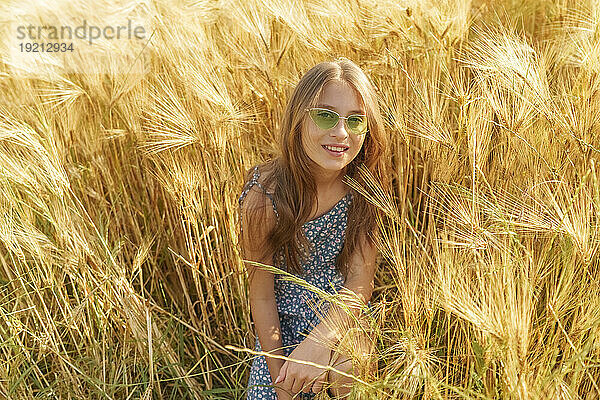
point(295, 377)
point(282, 394)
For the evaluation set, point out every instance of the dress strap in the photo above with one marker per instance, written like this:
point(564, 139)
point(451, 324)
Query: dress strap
point(252, 182)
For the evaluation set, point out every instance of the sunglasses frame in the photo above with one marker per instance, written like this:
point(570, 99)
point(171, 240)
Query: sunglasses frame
point(338, 121)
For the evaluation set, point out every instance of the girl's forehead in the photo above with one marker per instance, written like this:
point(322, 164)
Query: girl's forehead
point(340, 95)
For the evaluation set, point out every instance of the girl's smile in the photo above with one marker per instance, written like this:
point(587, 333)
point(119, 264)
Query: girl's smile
point(334, 150)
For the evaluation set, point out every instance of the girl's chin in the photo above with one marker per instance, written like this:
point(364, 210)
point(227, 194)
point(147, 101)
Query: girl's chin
point(329, 163)
point(333, 165)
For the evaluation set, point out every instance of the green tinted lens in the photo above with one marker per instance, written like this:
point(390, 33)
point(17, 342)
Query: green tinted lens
point(323, 118)
point(357, 124)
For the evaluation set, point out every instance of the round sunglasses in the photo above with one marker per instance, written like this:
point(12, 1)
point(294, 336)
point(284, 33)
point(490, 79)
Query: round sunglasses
point(328, 119)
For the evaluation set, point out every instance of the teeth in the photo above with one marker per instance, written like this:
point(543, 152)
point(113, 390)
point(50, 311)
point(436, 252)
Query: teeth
point(338, 149)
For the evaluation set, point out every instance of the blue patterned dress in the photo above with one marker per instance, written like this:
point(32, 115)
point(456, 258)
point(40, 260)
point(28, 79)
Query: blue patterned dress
point(296, 317)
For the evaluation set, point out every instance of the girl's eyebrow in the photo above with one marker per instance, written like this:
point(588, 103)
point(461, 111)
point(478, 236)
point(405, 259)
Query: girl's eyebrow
point(334, 109)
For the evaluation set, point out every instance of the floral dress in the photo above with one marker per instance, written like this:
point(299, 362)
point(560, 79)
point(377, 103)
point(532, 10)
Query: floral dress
point(296, 317)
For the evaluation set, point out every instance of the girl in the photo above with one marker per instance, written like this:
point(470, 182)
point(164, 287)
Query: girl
point(297, 214)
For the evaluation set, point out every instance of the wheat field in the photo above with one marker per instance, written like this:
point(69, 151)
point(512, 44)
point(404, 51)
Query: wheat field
point(120, 274)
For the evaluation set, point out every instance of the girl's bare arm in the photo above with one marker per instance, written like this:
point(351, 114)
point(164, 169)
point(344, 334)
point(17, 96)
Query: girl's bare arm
point(261, 282)
point(266, 319)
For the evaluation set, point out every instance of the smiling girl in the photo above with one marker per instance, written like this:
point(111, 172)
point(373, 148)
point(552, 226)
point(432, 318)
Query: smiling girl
point(298, 214)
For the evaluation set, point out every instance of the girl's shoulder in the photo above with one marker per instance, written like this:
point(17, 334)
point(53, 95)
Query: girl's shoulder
point(255, 190)
point(259, 175)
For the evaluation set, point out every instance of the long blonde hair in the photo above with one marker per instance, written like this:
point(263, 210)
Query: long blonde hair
point(290, 177)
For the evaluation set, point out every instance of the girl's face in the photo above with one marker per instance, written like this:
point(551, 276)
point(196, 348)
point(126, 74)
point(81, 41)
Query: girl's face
point(342, 98)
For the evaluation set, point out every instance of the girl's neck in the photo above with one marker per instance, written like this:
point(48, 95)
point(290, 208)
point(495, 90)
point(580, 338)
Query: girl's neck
point(327, 181)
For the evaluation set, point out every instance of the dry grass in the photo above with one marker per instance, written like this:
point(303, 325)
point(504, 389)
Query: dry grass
point(120, 273)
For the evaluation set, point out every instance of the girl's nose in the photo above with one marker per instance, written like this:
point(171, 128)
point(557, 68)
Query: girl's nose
point(339, 130)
